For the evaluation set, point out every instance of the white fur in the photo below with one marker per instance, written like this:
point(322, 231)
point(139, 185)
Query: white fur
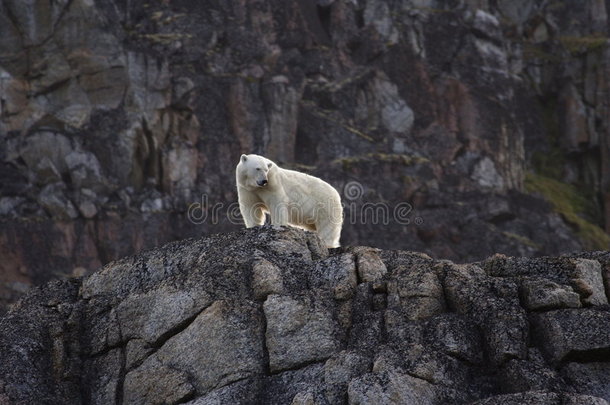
point(290, 198)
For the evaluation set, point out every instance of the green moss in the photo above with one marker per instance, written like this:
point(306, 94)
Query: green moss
point(401, 159)
point(522, 239)
point(549, 164)
point(408, 180)
point(431, 10)
point(302, 167)
point(537, 52)
point(165, 39)
point(578, 45)
point(570, 204)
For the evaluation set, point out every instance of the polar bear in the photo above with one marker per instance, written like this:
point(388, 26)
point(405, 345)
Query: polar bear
point(290, 198)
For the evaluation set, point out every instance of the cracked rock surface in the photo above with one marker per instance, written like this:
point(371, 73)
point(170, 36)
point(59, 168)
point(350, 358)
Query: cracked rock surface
point(268, 315)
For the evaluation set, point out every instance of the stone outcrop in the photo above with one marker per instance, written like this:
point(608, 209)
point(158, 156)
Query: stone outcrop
point(269, 315)
point(121, 123)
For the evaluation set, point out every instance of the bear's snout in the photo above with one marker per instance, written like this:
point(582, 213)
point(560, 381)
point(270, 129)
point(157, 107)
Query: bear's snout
point(262, 183)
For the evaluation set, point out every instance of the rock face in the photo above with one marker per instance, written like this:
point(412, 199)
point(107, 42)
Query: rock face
point(268, 315)
point(121, 123)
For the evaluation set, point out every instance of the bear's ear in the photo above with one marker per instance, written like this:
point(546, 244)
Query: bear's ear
point(269, 165)
point(244, 158)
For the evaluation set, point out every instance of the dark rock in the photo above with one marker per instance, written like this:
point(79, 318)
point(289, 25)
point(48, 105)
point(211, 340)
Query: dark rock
point(53, 199)
point(9, 204)
point(266, 315)
point(589, 378)
point(340, 369)
point(531, 374)
point(282, 388)
point(576, 335)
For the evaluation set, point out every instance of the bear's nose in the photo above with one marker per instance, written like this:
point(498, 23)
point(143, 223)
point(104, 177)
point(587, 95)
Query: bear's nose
point(262, 183)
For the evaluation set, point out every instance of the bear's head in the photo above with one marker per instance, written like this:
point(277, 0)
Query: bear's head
point(253, 171)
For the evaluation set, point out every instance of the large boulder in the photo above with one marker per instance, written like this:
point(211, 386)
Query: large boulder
point(268, 315)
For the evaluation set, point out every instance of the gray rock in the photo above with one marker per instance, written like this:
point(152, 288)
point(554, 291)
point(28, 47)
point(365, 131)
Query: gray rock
point(283, 387)
point(300, 330)
point(227, 339)
point(85, 170)
point(8, 204)
point(266, 279)
point(180, 169)
point(339, 370)
point(136, 351)
point(396, 115)
point(487, 24)
point(542, 398)
point(313, 249)
point(104, 372)
point(304, 398)
point(571, 334)
point(87, 209)
point(155, 383)
point(370, 266)
point(574, 118)
point(456, 336)
point(152, 205)
point(390, 387)
point(337, 273)
point(517, 11)
point(506, 336)
point(55, 202)
point(239, 393)
point(531, 374)
point(152, 315)
point(506, 331)
point(487, 176)
point(283, 100)
point(534, 397)
point(575, 399)
point(589, 378)
point(46, 146)
point(418, 293)
point(544, 294)
point(88, 201)
point(588, 281)
point(378, 14)
point(46, 172)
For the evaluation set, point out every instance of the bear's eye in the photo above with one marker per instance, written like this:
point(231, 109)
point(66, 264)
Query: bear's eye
point(258, 169)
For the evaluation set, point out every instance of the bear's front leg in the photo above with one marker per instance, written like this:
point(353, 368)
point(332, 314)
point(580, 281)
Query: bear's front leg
point(279, 213)
point(252, 209)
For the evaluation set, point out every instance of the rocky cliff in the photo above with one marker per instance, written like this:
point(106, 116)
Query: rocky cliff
point(121, 123)
point(270, 316)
